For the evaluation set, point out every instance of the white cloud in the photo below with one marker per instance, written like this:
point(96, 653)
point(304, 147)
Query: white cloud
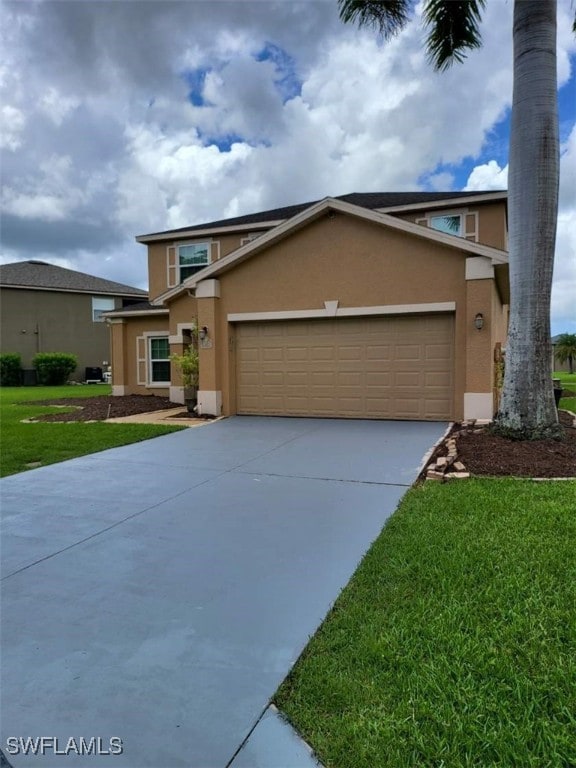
point(487, 176)
point(12, 122)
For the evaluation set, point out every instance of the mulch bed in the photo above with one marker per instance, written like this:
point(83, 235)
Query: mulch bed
point(483, 453)
point(105, 407)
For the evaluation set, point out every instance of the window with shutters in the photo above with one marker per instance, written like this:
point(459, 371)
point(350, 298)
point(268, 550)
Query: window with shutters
point(192, 258)
point(462, 224)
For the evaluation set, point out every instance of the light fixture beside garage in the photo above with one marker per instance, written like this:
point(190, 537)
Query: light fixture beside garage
point(203, 333)
point(479, 321)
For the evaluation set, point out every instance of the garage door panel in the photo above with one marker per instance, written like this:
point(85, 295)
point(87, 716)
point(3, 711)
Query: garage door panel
point(400, 367)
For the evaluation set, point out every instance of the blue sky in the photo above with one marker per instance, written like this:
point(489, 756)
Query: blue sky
point(124, 116)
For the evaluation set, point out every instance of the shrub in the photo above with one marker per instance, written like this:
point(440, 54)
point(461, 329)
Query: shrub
point(54, 367)
point(10, 369)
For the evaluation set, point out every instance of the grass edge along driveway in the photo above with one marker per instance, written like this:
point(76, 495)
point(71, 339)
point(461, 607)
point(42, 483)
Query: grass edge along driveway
point(454, 644)
point(45, 443)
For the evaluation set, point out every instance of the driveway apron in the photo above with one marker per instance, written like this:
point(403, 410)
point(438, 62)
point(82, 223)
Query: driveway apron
point(158, 593)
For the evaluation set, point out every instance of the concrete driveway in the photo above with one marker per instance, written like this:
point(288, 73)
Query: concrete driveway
point(159, 593)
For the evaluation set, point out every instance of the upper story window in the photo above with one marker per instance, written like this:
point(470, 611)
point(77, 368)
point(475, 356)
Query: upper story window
point(451, 225)
point(192, 258)
point(99, 306)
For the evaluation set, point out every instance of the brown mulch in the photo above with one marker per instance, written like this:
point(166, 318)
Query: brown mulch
point(104, 407)
point(483, 453)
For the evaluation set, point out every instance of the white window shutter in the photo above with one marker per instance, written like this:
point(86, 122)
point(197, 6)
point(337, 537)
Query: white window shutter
point(172, 265)
point(141, 360)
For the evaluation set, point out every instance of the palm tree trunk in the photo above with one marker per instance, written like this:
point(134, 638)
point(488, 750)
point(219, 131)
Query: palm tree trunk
point(527, 405)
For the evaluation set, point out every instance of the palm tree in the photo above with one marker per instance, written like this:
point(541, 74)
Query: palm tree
point(527, 407)
point(565, 349)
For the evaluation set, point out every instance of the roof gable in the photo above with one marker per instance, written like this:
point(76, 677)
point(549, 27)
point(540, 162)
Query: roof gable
point(39, 275)
point(315, 212)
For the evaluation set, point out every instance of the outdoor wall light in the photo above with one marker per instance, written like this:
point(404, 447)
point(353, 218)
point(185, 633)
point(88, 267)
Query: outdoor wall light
point(479, 321)
point(203, 333)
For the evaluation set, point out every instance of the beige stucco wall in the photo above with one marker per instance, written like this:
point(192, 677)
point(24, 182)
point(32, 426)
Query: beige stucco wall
point(51, 321)
point(124, 353)
point(343, 258)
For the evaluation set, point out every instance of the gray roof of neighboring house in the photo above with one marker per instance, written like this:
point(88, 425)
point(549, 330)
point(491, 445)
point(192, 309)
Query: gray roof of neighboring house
point(371, 200)
point(43, 276)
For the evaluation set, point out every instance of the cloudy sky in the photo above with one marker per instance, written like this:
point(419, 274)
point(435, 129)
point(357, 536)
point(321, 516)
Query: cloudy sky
point(122, 117)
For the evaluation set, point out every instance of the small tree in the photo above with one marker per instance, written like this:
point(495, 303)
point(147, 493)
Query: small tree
point(566, 349)
point(187, 365)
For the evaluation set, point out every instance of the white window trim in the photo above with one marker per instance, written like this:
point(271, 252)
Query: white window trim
point(111, 306)
point(333, 311)
point(148, 335)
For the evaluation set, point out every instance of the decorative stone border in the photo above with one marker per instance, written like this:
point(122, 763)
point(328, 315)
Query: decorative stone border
point(449, 467)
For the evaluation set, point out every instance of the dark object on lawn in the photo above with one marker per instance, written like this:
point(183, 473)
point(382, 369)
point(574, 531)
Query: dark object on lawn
point(93, 375)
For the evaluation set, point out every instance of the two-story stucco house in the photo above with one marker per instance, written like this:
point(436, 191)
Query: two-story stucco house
point(376, 305)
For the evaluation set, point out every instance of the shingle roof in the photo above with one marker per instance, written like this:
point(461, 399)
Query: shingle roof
point(371, 200)
point(44, 276)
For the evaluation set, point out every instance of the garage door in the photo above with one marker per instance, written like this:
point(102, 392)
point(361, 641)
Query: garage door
point(376, 367)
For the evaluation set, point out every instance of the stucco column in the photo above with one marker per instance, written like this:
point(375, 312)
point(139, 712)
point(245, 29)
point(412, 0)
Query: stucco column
point(210, 390)
point(478, 394)
point(119, 356)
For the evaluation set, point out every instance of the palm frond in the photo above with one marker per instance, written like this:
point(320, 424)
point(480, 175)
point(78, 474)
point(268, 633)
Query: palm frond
point(453, 29)
point(388, 16)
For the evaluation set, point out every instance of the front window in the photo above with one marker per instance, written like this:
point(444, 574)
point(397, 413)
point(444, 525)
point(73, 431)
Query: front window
point(451, 225)
point(192, 258)
point(159, 360)
point(99, 306)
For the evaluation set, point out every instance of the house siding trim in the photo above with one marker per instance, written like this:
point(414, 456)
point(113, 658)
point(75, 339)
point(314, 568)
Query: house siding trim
point(328, 311)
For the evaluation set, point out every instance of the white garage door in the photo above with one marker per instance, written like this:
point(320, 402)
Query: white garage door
point(376, 367)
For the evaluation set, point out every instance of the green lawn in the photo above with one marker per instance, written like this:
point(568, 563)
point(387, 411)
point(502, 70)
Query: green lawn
point(455, 642)
point(23, 444)
point(568, 382)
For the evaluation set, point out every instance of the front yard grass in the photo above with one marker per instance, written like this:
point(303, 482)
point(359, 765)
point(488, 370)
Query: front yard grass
point(45, 443)
point(454, 644)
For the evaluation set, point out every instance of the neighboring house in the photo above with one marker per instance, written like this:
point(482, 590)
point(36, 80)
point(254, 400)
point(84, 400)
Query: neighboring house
point(45, 308)
point(365, 306)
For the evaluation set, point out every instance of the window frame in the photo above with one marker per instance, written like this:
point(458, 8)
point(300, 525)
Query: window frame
point(458, 216)
point(195, 267)
point(110, 302)
point(151, 360)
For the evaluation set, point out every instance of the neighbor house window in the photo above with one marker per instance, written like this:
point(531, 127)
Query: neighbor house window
point(159, 348)
point(451, 225)
point(192, 258)
point(99, 306)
